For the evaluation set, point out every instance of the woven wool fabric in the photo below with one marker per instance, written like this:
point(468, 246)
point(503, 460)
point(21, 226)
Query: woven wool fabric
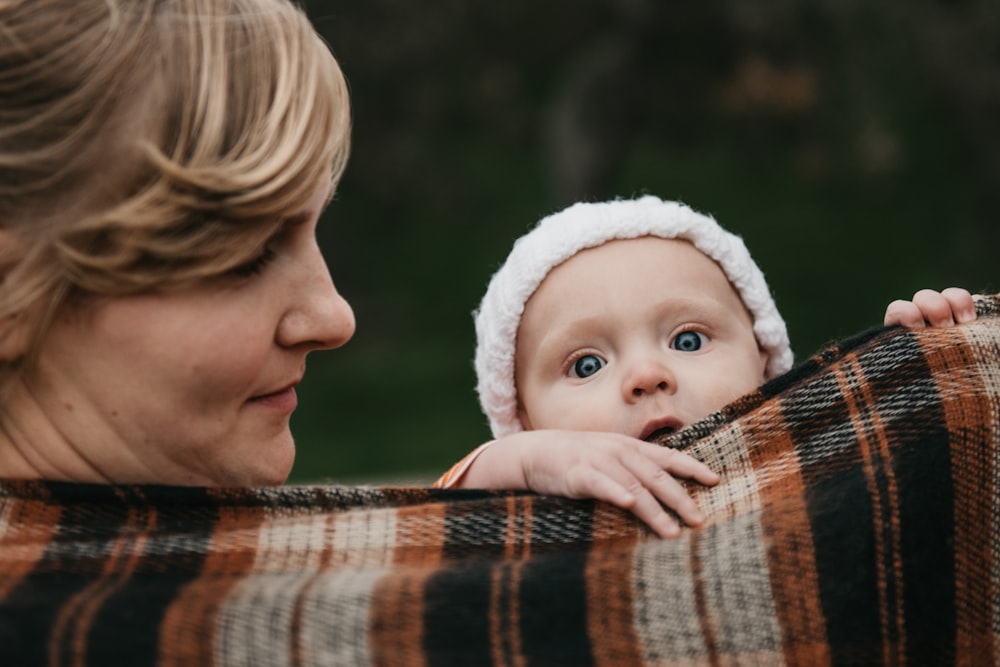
point(855, 524)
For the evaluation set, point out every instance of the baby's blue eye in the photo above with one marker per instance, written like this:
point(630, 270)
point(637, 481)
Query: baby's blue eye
point(688, 341)
point(587, 365)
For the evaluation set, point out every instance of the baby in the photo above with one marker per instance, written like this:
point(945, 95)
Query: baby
point(612, 324)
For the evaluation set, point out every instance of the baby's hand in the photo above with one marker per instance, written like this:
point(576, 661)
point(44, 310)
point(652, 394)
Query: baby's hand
point(632, 474)
point(953, 305)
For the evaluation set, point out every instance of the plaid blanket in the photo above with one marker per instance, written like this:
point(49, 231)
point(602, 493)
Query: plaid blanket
point(856, 524)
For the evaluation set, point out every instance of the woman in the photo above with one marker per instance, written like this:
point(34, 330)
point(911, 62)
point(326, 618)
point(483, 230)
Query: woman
point(163, 165)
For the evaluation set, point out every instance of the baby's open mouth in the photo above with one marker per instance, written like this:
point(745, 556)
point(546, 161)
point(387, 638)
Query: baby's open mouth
point(659, 431)
point(659, 434)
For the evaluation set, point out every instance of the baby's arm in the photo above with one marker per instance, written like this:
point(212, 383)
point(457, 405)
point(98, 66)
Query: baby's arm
point(953, 305)
point(632, 474)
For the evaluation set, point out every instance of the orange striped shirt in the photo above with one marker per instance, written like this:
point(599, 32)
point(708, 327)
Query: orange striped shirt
point(455, 473)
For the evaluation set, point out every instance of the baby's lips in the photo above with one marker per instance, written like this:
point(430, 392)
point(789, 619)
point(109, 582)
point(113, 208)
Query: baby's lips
point(659, 430)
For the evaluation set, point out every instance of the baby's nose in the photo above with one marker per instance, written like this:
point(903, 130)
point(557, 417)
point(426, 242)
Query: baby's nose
point(648, 377)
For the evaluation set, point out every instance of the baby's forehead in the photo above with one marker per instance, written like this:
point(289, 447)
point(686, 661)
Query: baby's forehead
point(631, 278)
point(643, 243)
point(676, 255)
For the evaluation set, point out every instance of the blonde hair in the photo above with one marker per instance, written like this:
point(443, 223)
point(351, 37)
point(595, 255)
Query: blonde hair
point(149, 144)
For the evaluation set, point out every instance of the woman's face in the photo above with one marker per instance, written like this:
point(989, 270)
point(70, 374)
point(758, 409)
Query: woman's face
point(195, 387)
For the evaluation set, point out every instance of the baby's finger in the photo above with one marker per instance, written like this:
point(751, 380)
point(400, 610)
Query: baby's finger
point(585, 482)
point(962, 305)
point(600, 486)
point(681, 464)
point(663, 487)
point(648, 510)
point(934, 307)
point(903, 312)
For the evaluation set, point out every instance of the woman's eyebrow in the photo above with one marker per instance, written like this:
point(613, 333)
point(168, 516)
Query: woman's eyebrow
point(305, 216)
point(295, 220)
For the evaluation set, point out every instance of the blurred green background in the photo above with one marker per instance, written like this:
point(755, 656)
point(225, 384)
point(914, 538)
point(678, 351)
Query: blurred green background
point(855, 147)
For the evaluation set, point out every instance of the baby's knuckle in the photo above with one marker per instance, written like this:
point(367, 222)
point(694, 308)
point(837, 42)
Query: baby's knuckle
point(661, 477)
point(634, 486)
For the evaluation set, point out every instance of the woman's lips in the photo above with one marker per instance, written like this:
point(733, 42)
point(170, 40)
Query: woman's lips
point(285, 400)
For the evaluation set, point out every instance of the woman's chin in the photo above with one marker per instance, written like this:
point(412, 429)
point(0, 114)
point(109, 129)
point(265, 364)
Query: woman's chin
point(270, 464)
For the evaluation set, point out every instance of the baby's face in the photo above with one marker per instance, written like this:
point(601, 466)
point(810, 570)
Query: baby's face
point(636, 337)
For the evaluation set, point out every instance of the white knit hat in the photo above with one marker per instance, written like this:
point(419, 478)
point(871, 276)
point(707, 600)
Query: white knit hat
point(561, 235)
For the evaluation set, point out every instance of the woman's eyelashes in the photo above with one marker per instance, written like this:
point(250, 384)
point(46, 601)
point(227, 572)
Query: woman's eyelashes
point(291, 229)
point(257, 264)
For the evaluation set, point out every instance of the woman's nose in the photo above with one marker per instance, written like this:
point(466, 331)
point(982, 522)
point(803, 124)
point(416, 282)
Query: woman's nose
point(646, 377)
point(320, 318)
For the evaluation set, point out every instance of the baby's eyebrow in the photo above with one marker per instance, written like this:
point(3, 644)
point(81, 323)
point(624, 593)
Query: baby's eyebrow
point(568, 337)
point(577, 332)
point(688, 305)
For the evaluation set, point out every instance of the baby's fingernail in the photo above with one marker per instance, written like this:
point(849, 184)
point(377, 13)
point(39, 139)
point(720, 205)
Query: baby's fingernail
point(667, 527)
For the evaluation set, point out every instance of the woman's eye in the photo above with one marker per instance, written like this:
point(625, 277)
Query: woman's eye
point(256, 265)
point(587, 365)
point(688, 341)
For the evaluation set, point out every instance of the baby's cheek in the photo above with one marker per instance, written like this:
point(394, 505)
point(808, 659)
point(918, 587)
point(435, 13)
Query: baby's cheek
point(587, 417)
point(734, 391)
point(571, 413)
